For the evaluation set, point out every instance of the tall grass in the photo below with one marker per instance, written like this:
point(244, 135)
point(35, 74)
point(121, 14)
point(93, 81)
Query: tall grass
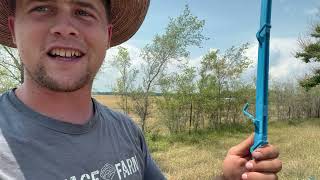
point(199, 155)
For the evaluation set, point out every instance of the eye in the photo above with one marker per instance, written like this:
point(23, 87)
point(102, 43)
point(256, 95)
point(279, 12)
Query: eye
point(41, 9)
point(81, 12)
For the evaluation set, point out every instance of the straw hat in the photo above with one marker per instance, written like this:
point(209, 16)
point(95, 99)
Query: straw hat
point(126, 17)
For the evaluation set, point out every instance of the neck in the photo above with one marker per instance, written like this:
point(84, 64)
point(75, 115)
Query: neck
point(72, 107)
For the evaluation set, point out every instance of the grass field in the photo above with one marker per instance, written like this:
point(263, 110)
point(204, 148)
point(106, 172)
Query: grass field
point(199, 155)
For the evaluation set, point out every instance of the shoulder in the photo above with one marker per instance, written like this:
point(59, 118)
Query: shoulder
point(116, 118)
point(2, 94)
point(4, 99)
point(121, 127)
point(5, 94)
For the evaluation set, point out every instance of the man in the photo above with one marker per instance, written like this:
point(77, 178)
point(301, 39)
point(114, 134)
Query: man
point(51, 128)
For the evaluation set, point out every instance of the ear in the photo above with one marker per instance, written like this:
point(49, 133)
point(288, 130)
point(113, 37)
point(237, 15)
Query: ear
point(109, 31)
point(11, 21)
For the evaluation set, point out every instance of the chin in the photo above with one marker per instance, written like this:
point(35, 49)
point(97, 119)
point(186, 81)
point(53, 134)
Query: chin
point(67, 85)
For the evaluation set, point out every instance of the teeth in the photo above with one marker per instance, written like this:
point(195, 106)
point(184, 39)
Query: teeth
point(62, 53)
point(65, 53)
point(68, 53)
point(57, 52)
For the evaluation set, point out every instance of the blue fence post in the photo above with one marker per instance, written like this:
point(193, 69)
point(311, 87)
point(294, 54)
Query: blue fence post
point(260, 121)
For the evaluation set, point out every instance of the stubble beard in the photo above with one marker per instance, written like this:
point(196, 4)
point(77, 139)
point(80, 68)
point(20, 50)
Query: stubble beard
point(41, 77)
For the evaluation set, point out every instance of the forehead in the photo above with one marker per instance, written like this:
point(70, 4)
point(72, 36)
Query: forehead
point(98, 4)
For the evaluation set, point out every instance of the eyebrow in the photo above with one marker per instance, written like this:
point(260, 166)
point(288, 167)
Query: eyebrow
point(77, 2)
point(84, 4)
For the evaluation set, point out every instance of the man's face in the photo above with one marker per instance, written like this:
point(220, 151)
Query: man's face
point(62, 43)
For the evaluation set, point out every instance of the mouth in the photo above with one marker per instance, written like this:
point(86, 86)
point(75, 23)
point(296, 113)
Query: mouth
point(65, 53)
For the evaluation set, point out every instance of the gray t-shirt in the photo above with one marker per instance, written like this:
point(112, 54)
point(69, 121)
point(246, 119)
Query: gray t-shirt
point(35, 147)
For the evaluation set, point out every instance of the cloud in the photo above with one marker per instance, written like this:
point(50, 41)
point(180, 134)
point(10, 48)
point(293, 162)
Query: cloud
point(283, 65)
point(106, 78)
point(196, 62)
point(313, 11)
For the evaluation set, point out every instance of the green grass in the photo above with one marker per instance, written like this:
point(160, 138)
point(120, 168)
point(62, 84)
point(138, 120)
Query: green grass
point(199, 155)
point(158, 142)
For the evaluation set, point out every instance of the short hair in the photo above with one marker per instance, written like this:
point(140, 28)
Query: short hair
point(106, 3)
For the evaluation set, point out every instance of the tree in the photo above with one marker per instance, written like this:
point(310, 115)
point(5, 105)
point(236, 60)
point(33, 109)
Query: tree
point(288, 101)
point(218, 94)
point(311, 53)
point(122, 63)
point(222, 71)
point(5, 83)
point(11, 69)
point(176, 103)
point(181, 33)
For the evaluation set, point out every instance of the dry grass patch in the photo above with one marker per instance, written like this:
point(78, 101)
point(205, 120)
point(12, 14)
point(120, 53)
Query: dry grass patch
point(200, 156)
point(299, 146)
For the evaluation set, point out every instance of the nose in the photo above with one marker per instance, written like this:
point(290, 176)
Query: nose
point(64, 27)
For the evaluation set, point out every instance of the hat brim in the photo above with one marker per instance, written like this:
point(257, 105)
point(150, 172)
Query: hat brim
point(126, 18)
